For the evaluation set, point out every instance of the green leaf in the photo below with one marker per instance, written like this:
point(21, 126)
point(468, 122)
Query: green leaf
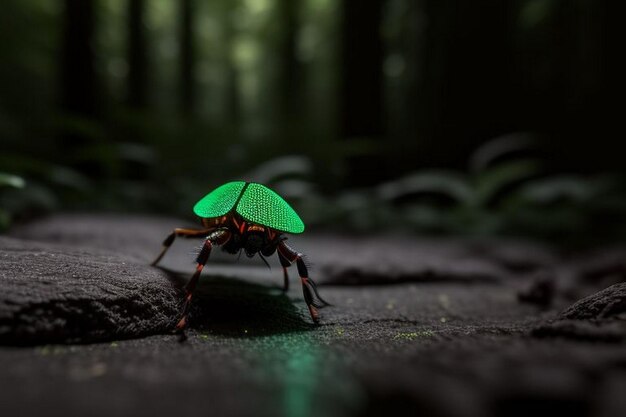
point(447, 183)
point(9, 180)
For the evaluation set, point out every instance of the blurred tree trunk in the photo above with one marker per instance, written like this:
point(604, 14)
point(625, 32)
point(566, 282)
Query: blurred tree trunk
point(430, 88)
point(137, 55)
point(404, 98)
point(78, 75)
point(611, 82)
point(585, 71)
point(289, 68)
point(187, 56)
point(481, 73)
point(361, 100)
point(232, 99)
point(466, 55)
point(78, 90)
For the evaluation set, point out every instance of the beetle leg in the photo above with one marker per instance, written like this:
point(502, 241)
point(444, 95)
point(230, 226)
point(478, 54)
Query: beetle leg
point(309, 289)
point(216, 238)
point(285, 264)
point(180, 232)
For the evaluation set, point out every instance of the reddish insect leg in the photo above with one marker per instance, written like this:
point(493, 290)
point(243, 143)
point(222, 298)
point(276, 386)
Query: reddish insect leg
point(217, 238)
point(180, 232)
point(309, 289)
point(285, 264)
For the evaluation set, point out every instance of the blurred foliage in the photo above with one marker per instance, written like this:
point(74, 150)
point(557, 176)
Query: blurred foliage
point(507, 190)
point(503, 192)
point(7, 181)
point(267, 79)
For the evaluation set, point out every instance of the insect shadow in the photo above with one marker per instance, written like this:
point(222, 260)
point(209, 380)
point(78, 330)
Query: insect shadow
point(238, 308)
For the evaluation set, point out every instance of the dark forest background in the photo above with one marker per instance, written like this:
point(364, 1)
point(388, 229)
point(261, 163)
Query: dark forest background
point(429, 116)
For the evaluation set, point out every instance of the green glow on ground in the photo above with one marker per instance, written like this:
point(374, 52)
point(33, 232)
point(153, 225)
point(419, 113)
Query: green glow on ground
point(300, 382)
point(311, 380)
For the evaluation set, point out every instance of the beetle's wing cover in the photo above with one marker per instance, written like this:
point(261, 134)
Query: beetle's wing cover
point(261, 205)
point(219, 201)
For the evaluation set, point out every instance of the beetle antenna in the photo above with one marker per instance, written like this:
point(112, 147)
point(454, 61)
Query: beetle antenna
point(265, 261)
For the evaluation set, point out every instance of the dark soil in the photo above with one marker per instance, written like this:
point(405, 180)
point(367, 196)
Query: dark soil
point(432, 327)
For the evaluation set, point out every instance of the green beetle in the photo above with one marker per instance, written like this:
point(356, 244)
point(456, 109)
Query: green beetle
point(247, 216)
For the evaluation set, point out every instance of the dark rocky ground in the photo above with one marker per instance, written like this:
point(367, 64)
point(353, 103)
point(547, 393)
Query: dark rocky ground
point(419, 327)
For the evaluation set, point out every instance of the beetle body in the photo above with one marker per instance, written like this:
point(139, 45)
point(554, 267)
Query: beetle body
point(249, 217)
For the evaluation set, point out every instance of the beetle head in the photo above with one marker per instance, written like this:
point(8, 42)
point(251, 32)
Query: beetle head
point(254, 243)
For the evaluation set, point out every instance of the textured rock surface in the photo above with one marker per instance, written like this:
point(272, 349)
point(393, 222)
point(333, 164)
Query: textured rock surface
point(97, 284)
point(605, 304)
point(450, 337)
point(600, 316)
point(133, 236)
point(52, 293)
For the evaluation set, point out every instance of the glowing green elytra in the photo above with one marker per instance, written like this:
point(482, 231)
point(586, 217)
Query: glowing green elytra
point(219, 201)
point(252, 201)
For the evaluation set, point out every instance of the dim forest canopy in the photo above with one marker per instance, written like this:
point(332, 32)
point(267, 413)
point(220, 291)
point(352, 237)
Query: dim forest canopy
point(473, 118)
